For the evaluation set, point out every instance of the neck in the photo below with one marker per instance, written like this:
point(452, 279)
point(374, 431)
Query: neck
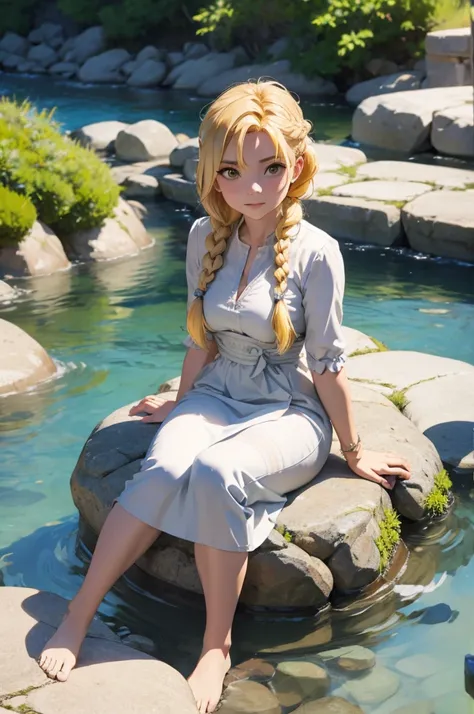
point(256, 232)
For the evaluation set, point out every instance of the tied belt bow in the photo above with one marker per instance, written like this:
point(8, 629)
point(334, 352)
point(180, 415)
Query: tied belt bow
point(246, 350)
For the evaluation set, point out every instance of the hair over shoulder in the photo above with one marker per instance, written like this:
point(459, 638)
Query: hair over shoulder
point(247, 107)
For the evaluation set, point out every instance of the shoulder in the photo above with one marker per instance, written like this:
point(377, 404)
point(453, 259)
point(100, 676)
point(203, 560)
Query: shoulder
point(313, 245)
point(201, 227)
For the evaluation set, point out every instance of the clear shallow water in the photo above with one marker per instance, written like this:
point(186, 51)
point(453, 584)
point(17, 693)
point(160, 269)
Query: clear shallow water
point(115, 329)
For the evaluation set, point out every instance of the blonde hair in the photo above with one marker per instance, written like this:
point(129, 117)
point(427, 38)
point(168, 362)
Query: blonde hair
point(251, 106)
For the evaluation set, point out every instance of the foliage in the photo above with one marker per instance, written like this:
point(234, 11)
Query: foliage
point(390, 528)
point(437, 500)
point(70, 186)
point(17, 215)
point(16, 16)
point(398, 398)
point(286, 534)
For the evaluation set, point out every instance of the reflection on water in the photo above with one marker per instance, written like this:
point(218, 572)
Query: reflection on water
point(116, 330)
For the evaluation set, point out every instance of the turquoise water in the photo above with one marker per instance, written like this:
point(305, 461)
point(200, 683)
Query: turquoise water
point(116, 331)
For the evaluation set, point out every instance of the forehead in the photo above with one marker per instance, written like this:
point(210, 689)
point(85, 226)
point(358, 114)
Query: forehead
point(257, 145)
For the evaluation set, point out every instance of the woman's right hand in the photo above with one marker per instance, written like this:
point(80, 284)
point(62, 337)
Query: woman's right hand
point(156, 406)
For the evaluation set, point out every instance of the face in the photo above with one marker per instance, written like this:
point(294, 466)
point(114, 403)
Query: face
point(261, 187)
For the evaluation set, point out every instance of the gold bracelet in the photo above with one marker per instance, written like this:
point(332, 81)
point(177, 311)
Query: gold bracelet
point(352, 446)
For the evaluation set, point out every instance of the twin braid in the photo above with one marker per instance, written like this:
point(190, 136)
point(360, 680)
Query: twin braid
point(216, 243)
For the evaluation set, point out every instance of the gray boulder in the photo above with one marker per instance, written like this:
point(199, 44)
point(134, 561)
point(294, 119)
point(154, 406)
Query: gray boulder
point(174, 58)
point(177, 188)
point(13, 61)
point(104, 68)
point(452, 131)
point(43, 55)
point(7, 293)
point(149, 73)
point(23, 364)
point(280, 70)
point(99, 136)
point(145, 140)
point(188, 149)
point(49, 32)
point(150, 53)
point(191, 73)
point(89, 43)
point(14, 44)
point(195, 50)
point(66, 69)
point(141, 186)
point(399, 82)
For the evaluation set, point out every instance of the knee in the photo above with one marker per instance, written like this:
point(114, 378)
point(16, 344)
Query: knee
point(209, 467)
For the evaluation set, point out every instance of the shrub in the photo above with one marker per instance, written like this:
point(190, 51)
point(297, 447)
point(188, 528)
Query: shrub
point(16, 16)
point(17, 215)
point(70, 186)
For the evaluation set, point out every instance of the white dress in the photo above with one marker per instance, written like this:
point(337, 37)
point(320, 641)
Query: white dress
point(252, 428)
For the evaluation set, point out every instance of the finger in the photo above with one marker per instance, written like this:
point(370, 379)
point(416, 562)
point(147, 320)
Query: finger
point(152, 418)
point(394, 471)
point(373, 476)
point(397, 461)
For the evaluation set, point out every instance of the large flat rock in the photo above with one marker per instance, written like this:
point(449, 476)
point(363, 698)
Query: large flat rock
point(23, 362)
point(443, 409)
point(110, 678)
point(356, 219)
point(390, 191)
point(399, 369)
point(332, 157)
point(441, 223)
point(441, 176)
point(402, 121)
point(449, 43)
point(452, 131)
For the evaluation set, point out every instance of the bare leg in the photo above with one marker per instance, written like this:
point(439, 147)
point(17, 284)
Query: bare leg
point(122, 541)
point(222, 575)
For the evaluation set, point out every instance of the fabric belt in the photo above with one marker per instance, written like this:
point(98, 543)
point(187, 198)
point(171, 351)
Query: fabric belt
point(246, 350)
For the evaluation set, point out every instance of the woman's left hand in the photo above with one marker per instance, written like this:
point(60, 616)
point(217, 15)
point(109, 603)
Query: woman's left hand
point(379, 467)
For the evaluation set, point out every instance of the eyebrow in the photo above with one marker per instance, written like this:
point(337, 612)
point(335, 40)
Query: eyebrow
point(262, 161)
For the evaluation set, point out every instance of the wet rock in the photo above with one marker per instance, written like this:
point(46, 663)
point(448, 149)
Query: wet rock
point(23, 362)
point(420, 707)
point(145, 140)
point(65, 69)
point(297, 680)
point(375, 687)
point(441, 223)
point(350, 659)
point(43, 55)
point(419, 666)
point(329, 705)
point(99, 136)
point(40, 252)
point(244, 697)
point(89, 43)
point(176, 188)
point(104, 68)
point(7, 293)
point(195, 50)
point(356, 565)
point(48, 32)
point(258, 669)
point(191, 73)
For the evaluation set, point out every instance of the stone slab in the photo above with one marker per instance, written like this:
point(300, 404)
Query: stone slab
point(332, 157)
point(443, 409)
point(383, 190)
point(449, 43)
point(441, 223)
point(114, 679)
point(176, 188)
point(397, 82)
point(325, 180)
point(355, 219)
point(402, 368)
point(452, 131)
point(442, 176)
point(401, 121)
point(356, 340)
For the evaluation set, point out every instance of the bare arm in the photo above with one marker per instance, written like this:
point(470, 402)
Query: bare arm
point(334, 392)
point(194, 361)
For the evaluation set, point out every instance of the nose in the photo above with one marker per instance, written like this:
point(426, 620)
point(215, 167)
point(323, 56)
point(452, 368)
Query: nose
point(255, 188)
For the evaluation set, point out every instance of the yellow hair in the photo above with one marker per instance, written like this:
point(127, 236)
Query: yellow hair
point(251, 106)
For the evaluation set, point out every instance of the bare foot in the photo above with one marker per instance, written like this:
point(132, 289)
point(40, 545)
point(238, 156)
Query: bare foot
point(60, 653)
point(207, 679)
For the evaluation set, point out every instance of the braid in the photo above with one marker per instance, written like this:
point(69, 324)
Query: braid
point(281, 321)
point(213, 260)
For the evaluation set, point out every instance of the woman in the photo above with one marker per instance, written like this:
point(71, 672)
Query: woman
point(261, 383)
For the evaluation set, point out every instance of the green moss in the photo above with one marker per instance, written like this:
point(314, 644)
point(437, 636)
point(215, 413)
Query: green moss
point(378, 347)
point(348, 171)
point(398, 398)
point(324, 191)
point(286, 534)
point(397, 204)
point(382, 347)
point(389, 537)
point(437, 500)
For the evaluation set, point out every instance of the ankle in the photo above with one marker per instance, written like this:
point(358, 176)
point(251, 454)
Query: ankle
point(209, 644)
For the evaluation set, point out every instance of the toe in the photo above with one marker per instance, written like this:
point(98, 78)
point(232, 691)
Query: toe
point(64, 672)
point(46, 662)
point(55, 667)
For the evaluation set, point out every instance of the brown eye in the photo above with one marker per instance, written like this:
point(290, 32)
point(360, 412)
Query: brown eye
point(276, 168)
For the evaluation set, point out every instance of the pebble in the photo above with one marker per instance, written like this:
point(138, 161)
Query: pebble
point(375, 687)
point(244, 697)
point(258, 669)
point(296, 680)
point(419, 666)
point(350, 659)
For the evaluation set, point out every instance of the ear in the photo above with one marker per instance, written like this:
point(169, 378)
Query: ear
point(298, 168)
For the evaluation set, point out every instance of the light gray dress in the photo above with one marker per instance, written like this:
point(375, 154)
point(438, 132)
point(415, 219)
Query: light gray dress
point(252, 427)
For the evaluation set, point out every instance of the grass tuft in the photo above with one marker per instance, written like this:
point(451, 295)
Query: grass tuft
point(389, 537)
point(437, 500)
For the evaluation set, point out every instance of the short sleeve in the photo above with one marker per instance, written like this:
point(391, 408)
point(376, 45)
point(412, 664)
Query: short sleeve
point(323, 292)
point(194, 253)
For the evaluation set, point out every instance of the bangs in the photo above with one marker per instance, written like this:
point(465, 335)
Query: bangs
point(250, 125)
